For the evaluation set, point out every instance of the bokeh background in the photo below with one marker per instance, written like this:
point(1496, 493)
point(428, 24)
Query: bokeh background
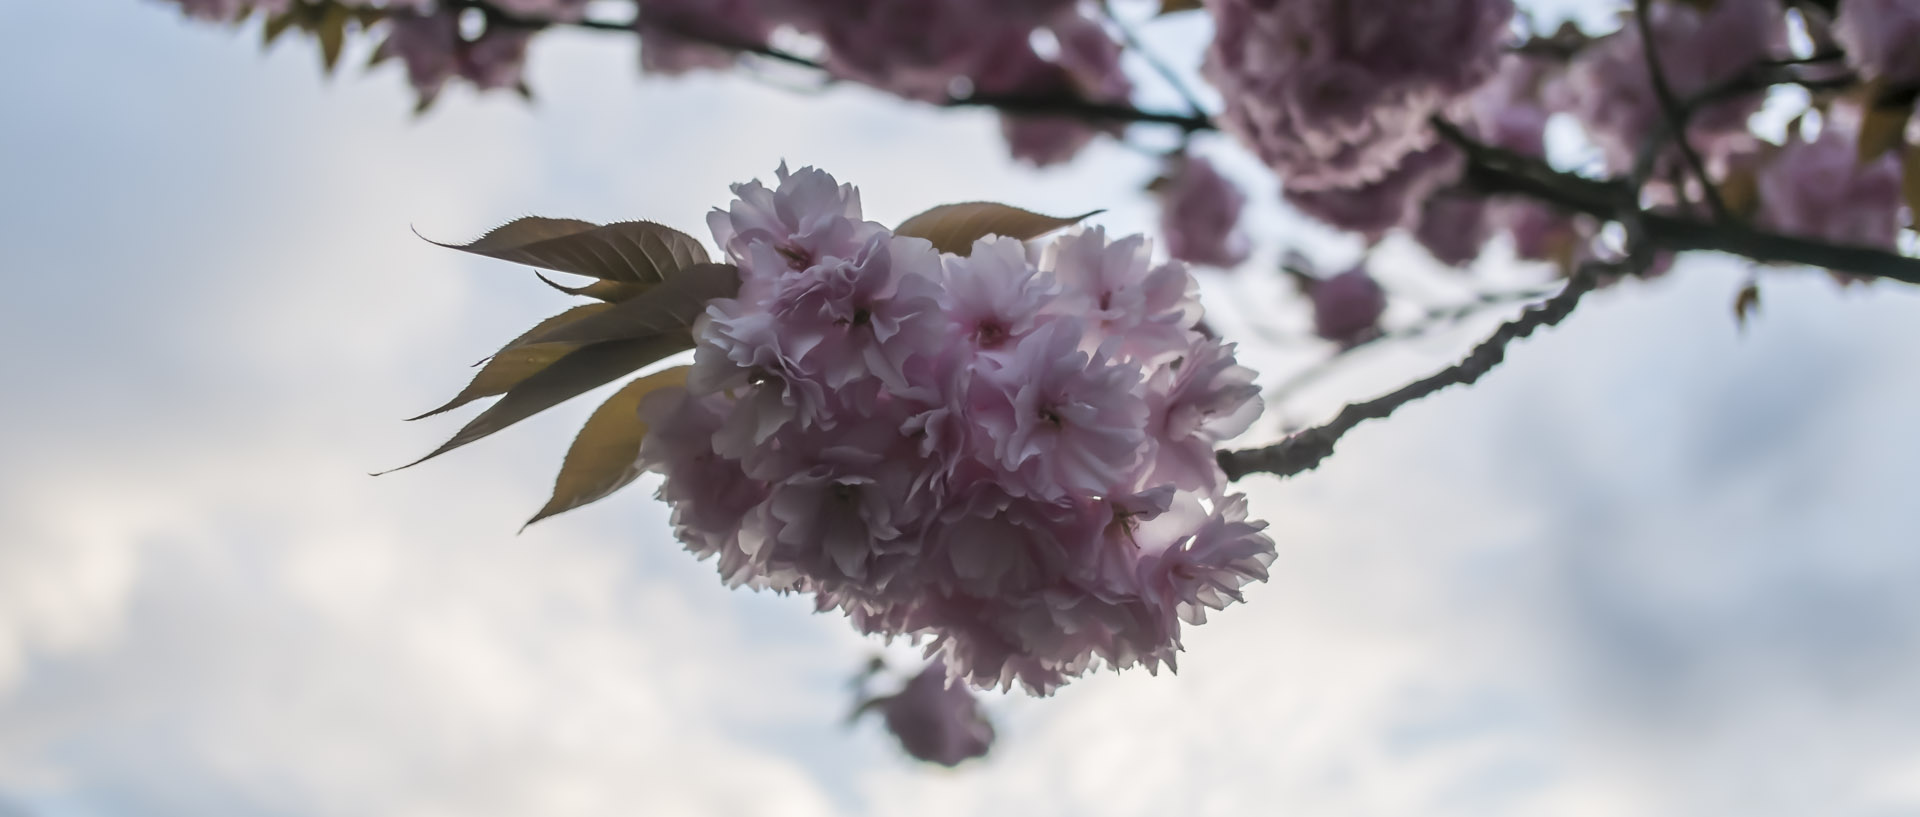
point(1654, 565)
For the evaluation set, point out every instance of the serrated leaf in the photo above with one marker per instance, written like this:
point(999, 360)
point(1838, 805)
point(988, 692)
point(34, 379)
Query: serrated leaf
point(332, 33)
point(602, 457)
point(1910, 182)
point(633, 251)
point(667, 308)
point(954, 227)
point(609, 291)
point(577, 373)
point(1883, 124)
point(1746, 303)
point(515, 362)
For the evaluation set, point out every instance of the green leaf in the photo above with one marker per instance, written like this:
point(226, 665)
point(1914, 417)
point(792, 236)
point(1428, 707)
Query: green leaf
point(667, 308)
point(954, 227)
point(1171, 6)
point(631, 251)
point(602, 457)
point(516, 362)
point(577, 373)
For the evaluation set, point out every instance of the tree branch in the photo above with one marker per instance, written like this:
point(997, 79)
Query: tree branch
point(1307, 449)
point(1494, 171)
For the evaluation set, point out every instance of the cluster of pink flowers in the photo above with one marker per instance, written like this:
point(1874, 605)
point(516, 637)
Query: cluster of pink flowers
point(1010, 452)
point(426, 37)
point(934, 719)
point(1609, 87)
point(1821, 189)
point(1879, 37)
point(1200, 214)
point(930, 51)
point(1336, 93)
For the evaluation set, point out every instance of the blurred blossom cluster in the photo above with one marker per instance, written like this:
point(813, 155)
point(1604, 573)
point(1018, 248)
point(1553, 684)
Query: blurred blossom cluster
point(1822, 189)
point(1610, 88)
point(933, 718)
point(1337, 97)
point(1200, 214)
point(1880, 37)
point(1336, 94)
point(927, 51)
point(1010, 452)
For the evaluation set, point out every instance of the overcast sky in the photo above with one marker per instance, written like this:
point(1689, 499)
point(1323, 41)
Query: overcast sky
point(1652, 566)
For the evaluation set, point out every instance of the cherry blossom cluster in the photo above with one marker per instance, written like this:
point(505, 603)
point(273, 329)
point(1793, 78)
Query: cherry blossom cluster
point(1334, 94)
point(1610, 88)
point(935, 719)
point(1009, 452)
point(930, 50)
point(1879, 37)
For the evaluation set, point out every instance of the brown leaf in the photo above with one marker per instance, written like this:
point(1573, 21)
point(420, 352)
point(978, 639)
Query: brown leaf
point(516, 362)
point(954, 227)
point(1746, 303)
point(1740, 191)
point(1910, 183)
point(631, 251)
point(1883, 125)
point(277, 25)
point(601, 460)
point(608, 291)
point(332, 32)
point(667, 308)
point(579, 372)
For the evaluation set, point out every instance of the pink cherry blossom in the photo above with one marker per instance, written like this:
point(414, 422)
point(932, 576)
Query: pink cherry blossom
point(1334, 93)
point(1820, 189)
point(1200, 215)
point(1609, 86)
point(993, 452)
point(1879, 38)
point(1348, 306)
point(936, 719)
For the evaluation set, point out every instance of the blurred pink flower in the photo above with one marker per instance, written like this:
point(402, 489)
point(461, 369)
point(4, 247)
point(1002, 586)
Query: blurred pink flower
point(1200, 214)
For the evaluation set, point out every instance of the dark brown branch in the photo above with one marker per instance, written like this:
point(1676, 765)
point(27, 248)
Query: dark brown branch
point(1078, 108)
point(1307, 449)
point(1493, 171)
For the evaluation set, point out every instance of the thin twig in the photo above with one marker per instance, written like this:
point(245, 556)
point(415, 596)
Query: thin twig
point(1307, 449)
point(1158, 65)
point(1670, 106)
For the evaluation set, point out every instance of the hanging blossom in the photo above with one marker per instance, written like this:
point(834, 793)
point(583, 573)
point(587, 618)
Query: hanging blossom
point(677, 36)
point(1879, 37)
point(1008, 453)
point(435, 52)
point(1609, 86)
point(934, 719)
point(1200, 214)
point(1348, 306)
point(1820, 189)
point(1335, 93)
